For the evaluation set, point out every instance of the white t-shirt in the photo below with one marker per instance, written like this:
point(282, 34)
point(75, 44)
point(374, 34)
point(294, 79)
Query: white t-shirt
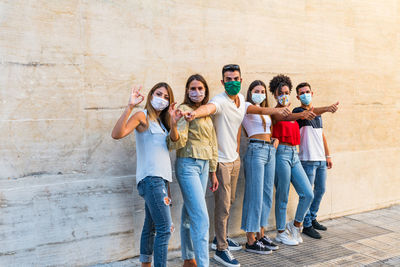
point(252, 123)
point(227, 120)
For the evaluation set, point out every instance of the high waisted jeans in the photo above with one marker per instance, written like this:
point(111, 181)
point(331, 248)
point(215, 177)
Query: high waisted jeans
point(192, 176)
point(289, 170)
point(316, 172)
point(157, 221)
point(259, 169)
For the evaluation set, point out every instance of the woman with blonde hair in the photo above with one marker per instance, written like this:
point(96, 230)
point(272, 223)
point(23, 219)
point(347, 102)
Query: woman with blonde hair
point(153, 167)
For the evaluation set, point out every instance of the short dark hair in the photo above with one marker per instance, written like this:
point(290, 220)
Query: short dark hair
point(300, 85)
point(278, 82)
point(251, 87)
point(196, 77)
point(230, 67)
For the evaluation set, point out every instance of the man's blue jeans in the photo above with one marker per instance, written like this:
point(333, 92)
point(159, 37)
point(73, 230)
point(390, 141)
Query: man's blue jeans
point(192, 176)
point(289, 170)
point(259, 169)
point(157, 220)
point(316, 172)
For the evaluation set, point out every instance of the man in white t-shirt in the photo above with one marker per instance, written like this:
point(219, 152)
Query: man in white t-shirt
point(228, 110)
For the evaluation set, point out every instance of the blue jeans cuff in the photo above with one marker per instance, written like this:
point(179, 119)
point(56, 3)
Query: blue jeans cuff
point(188, 256)
point(145, 258)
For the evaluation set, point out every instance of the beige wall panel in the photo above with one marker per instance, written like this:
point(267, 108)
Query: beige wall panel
point(67, 189)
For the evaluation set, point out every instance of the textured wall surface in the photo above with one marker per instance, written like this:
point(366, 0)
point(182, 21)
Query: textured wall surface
point(67, 194)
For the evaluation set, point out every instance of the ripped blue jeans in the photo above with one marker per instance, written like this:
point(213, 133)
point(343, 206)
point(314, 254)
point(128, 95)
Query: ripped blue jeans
point(157, 220)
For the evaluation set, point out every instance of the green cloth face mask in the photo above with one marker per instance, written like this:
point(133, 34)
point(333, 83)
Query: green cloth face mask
point(232, 87)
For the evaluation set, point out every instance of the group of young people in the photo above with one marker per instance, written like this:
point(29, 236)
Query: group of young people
point(206, 136)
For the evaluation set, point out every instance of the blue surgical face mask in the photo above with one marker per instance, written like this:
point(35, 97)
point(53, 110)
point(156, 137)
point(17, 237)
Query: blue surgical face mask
point(258, 98)
point(305, 99)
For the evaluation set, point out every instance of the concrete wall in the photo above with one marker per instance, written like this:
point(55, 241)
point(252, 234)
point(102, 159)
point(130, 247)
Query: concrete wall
point(67, 193)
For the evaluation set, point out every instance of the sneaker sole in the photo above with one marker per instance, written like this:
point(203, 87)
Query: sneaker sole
point(259, 252)
point(214, 247)
point(279, 241)
point(218, 259)
point(272, 248)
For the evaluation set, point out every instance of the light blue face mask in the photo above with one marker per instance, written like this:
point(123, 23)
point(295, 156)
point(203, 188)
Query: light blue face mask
point(257, 98)
point(305, 99)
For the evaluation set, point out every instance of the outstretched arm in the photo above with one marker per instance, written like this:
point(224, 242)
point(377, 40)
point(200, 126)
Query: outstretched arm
point(126, 125)
point(253, 109)
point(202, 111)
point(304, 115)
point(332, 108)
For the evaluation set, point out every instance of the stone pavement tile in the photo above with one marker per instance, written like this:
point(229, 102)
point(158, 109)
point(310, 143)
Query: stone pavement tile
point(393, 261)
point(388, 239)
point(361, 216)
point(395, 227)
point(379, 221)
point(353, 260)
point(375, 244)
point(322, 264)
point(382, 254)
point(357, 247)
point(394, 235)
point(379, 264)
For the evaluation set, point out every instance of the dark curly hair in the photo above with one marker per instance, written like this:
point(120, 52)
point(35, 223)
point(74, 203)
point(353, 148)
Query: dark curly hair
point(278, 82)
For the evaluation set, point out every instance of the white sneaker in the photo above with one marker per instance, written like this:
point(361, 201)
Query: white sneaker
point(286, 239)
point(295, 232)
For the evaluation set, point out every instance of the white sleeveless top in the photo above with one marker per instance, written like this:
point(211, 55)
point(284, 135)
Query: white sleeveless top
point(252, 123)
point(152, 156)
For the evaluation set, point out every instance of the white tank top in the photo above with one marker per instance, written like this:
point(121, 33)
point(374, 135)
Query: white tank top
point(152, 156)
point(252, 123)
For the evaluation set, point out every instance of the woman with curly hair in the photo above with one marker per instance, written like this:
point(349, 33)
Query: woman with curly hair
point(288, 166)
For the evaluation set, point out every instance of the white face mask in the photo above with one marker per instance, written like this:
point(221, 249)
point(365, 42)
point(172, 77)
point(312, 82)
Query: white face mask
point(159, 103)
point(257, 98)
point(196, 96)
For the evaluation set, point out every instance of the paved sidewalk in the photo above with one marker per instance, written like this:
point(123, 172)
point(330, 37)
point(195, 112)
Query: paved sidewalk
point(365, 239)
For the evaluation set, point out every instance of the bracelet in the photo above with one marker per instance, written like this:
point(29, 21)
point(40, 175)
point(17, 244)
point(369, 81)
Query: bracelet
point(328, 157)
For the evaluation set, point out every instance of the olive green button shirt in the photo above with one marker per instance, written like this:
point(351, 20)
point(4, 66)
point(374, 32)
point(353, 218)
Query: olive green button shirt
point(197, 139)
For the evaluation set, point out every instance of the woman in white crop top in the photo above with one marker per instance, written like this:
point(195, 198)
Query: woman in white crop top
point(259, 167)
point(153, 170)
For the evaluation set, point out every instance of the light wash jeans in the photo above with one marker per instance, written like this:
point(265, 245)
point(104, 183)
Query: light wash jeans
point(259, 169)
point(192, 176)
point(316, 172)
point(289, 170)
point(157, 220)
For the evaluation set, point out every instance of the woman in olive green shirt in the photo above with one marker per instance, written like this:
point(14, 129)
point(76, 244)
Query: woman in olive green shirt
point(196, 160)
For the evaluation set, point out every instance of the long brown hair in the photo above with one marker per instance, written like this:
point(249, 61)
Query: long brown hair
point(196, 77)
point(262, 104)
point(152, 113)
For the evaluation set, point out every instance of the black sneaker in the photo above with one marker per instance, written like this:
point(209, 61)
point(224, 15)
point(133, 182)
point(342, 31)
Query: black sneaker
point(318, 226)
point(310, 231)
point(258, 248)
point(267, 242)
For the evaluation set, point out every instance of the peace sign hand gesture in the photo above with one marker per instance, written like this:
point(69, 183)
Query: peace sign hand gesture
point(136, 97)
